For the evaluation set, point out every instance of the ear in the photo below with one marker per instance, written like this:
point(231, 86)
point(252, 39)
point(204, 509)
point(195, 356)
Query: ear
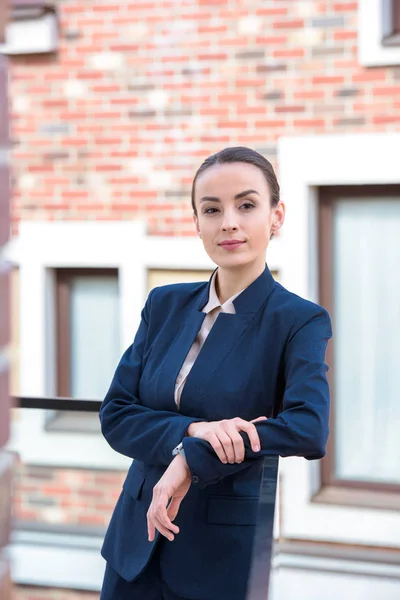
point(279, 216)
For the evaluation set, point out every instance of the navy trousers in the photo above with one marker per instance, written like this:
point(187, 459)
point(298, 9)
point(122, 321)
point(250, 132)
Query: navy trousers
point(148, 586)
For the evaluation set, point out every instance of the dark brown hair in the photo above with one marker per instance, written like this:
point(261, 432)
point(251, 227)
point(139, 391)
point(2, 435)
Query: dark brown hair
point(246, 155)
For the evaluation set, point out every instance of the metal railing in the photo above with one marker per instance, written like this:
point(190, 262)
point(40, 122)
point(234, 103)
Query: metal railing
point(70, 404)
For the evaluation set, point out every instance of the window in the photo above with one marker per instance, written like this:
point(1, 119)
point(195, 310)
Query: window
point(31, 29)
point(334, 513)
point(392, 24)
point(87, 340)
point(157, 277)
point(44, 255)
point(379, 32)
point(359, 250)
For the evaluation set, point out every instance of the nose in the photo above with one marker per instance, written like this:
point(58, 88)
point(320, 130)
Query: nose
point(229, 221)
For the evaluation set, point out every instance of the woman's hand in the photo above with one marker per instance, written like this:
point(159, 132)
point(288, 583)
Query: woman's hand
point(174, 484)
point(224, 437)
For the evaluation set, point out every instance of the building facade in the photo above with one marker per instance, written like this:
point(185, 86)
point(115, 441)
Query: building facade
point(114, 106)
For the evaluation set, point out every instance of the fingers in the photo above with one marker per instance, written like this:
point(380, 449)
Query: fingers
point(237, 443)
point(226, 440)
point(252, 432)
point(219, 449)
point(173, 508)
point(151, 530)
point(259, 419)
point(232, 444)
point(158, 517)
point(164, 530)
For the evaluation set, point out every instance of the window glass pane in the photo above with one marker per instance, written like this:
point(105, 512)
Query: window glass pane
point(367, 349)
point(157, 277)
point(95, 339)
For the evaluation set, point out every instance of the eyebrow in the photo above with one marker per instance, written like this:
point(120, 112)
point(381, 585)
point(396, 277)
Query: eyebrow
point(237, 197)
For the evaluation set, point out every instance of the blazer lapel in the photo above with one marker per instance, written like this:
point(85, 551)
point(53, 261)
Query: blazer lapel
point(176, 355)
point(224, 335)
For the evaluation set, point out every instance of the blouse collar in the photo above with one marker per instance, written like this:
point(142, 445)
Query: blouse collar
point(214, 302)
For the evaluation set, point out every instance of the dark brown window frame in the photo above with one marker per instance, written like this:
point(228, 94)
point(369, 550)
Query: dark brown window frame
point(334, 490)
point(63, 279)
point(393, 37)
point(17, 7)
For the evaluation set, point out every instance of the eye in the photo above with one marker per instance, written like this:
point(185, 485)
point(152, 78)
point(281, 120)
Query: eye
point(248, 205)
point(206, 212)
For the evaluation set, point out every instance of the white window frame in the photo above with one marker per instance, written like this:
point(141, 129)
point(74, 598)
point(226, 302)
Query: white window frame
point(372, 27)
point(42, 247)
point(304, 164)
point(36, 33)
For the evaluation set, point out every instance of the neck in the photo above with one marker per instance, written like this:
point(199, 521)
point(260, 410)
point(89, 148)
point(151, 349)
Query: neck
point(231, 280)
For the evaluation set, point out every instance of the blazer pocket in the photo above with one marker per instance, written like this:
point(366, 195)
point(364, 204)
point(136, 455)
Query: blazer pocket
point(134, 482)
point(228, 510)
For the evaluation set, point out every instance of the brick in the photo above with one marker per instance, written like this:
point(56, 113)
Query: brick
point(325, 22)
point(309, 94)
point(386, 119)
point(345, 6)
point(289, 53)
point(370, 75)
point(249, 55)
point(108, 168)
point(327, 51)
point(212, 29)
point(269, 123)
point(345, 35)
point(53, 128)
point(272, 96)
point(271, 68)
point(289, 24)
point(271, 40)
point(56, 156)
point(349, 121)
point(90, 75)
point(390, 90)
point(73, 8)
point(344, 92)
point(309, 122)
point(328, 79)
point(213, 56)
point(289, 109)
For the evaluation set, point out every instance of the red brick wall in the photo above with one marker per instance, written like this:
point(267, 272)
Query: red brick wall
point(66, 496)
point(115, 125)
point(82, 119)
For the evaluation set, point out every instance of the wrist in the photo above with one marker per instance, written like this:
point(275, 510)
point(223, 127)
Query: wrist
point(180, 458)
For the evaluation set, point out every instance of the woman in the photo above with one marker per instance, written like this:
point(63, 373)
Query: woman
point(190, 398)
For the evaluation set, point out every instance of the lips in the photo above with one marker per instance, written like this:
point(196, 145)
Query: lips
point(229, 242)
point(231, 245)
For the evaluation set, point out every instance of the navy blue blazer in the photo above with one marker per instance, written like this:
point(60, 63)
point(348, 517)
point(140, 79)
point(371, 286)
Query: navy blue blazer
point(267, 359)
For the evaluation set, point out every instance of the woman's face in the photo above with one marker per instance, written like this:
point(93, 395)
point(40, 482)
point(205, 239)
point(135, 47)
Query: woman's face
point(233, 203)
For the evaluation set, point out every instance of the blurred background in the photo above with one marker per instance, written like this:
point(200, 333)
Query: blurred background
point(112, 108)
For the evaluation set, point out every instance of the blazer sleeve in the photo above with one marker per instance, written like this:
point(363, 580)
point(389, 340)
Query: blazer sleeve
point(301, 428)
point(129, 427)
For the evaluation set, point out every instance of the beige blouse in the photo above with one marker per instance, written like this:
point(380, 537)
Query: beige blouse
point(212, 308)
